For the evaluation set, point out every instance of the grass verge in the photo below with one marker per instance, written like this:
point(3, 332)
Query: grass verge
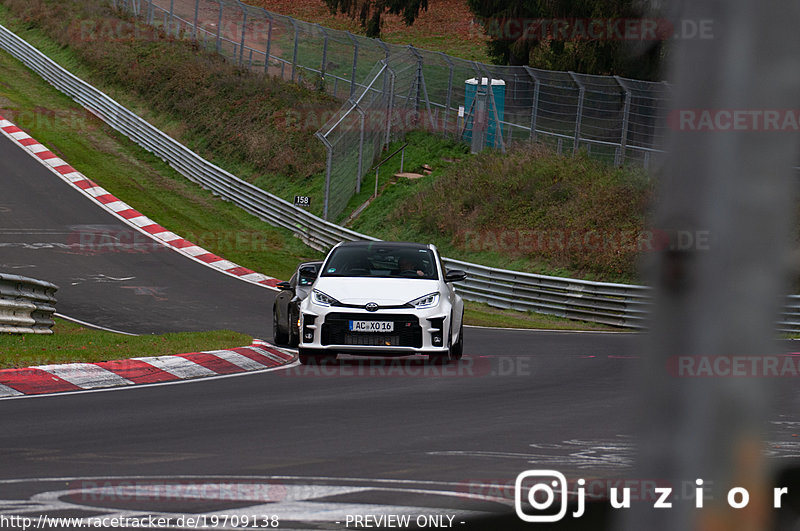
point(526, 210)
point(72, 343)
point(478, 314)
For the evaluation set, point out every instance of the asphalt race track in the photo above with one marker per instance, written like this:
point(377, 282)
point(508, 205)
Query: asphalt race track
point(312, 446)
point(134, 286)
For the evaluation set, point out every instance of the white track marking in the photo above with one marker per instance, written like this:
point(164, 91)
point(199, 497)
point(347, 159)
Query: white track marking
point(243, 362)
point(180, 367)
point(7, 391)
point(85, 375)
point(92, 325)
point(145, 386)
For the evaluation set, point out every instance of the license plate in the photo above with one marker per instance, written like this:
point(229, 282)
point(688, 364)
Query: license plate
point(371, 326)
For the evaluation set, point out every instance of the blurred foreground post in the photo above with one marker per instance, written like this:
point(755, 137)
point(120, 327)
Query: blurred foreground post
point(732, 179)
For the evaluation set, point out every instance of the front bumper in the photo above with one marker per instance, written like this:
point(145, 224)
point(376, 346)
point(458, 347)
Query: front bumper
point(414, 331)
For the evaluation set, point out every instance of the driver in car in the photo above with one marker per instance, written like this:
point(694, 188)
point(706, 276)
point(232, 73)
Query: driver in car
point(406, 265)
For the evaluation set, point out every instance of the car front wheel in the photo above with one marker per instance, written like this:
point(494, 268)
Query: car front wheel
point(280, 338)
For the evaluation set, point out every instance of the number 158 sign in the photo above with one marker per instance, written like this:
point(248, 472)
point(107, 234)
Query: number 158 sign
point(302, 200)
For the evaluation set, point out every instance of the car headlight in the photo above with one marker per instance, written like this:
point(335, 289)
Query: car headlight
point(322, 299)
point(426, 301)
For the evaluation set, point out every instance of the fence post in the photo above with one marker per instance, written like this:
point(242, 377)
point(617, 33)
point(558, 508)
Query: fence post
point(355, 62)
point(386, 49)
point(389, 107)
point(362, 116)
point(579, 115)
point(623, 141)
point(422, 90)
point(171, 15)
point(449, 92)
point(324, 64)
point(196, 17)
point(294, 53)
point(269, 40)
point(328, 165)
point(219, 28)
point(244, 32)
point(535, 104)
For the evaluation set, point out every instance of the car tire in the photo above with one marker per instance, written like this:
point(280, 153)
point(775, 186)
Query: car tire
point(294, 337)
point(453, 352)
point(279, 337)
point(313, 357)
point(457, 350)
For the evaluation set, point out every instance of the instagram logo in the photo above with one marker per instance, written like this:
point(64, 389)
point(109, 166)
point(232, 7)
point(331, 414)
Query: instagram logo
point(541, 487)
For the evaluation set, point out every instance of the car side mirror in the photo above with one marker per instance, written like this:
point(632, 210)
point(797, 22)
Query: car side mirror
point(308, 274)
point(455, 275)
point(283, 285)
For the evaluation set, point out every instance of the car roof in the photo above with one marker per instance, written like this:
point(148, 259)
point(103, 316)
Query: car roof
point(398, 245)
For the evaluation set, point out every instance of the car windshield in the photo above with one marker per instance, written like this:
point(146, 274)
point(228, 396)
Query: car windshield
point(381, 262)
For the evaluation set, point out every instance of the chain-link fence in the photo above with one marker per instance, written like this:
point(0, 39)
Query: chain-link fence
point(393, 89)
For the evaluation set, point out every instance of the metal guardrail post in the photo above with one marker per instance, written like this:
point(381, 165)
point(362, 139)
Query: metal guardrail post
point(579, 112)
point(626, 112)
point(355, 62)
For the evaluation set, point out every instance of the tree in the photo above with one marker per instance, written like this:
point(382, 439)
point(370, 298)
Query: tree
point(586, 36)
point(369, 12)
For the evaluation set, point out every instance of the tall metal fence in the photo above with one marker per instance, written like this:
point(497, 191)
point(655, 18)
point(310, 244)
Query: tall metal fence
point(391, 89)
point(616, 119)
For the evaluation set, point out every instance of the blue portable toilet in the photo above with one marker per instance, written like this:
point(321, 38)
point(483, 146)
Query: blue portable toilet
point(472, 93)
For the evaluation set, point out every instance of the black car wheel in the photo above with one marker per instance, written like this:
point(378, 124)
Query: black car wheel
point(457, 350)
point(280, 337)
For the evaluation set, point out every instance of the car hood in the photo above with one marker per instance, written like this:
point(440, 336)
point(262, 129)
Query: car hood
point(383, 291)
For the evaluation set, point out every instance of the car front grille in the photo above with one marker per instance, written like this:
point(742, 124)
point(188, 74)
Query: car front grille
point(407, 331)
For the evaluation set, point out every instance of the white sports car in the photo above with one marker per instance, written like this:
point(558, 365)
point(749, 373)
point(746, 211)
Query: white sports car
point(385, 298)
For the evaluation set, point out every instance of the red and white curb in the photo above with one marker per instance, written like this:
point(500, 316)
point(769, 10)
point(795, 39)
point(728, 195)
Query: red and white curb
point(124, 212)
point(47, 379)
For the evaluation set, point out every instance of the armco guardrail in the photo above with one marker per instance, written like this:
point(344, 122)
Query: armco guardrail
point(26, 305)
point(615, 304)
